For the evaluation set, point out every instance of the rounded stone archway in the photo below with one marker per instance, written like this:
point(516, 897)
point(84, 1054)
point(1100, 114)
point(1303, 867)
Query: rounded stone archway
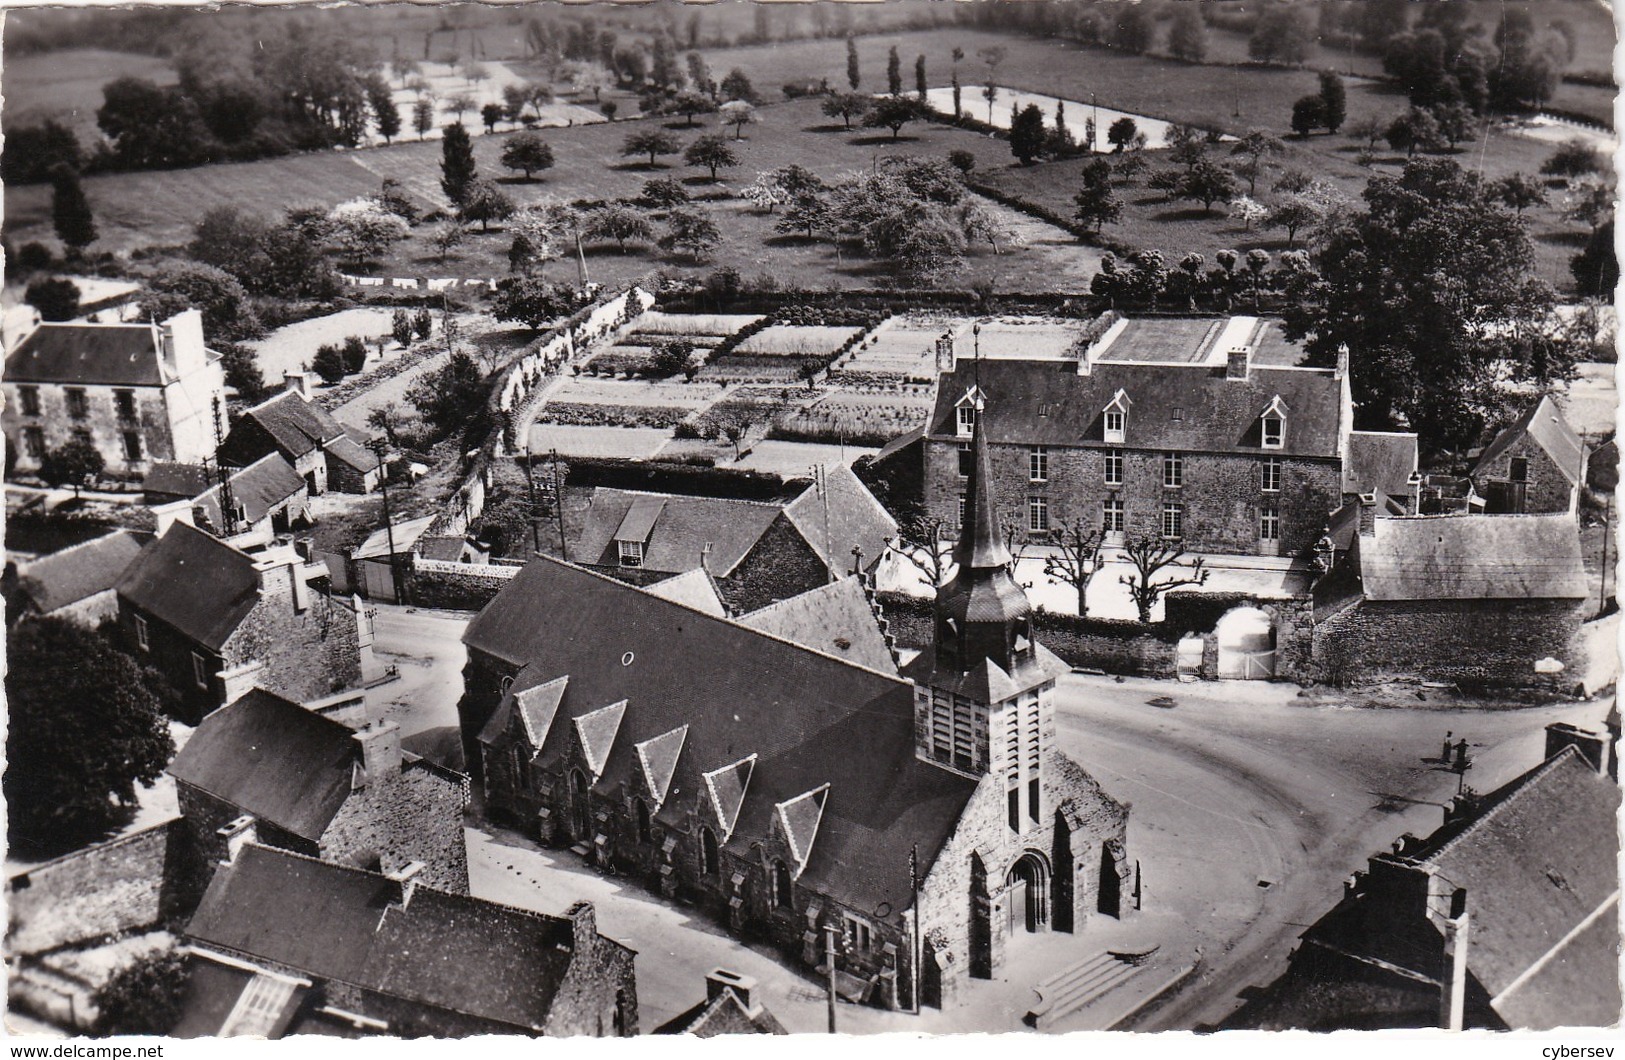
point(1246, 642)
point(1027, 886)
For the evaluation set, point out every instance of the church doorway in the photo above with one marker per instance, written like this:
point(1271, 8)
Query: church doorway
point(1111, 884)
point(1246, 645)
point(1028, 888)
point(580, 812)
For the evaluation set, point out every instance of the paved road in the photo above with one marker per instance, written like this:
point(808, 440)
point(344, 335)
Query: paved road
point(427, 648)
point(1250, 805)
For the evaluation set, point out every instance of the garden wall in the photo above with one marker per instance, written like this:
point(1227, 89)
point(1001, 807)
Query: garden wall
point(456, 586)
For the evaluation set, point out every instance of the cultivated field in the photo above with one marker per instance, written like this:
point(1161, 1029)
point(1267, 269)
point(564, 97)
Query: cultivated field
point(67, 85)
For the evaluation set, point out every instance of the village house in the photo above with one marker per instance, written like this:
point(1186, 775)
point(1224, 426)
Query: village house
point(268, 497)
point(318, 446)
point(217, 621)
point(137, 392)
point(79, 582)
point(1208, 432)
point(285, 945)
point(731, 1006)
point(787, 791)
point(1506, 918)
point(1537, 463)
point(306, 783)
point(758, 551)
point(1450, 597)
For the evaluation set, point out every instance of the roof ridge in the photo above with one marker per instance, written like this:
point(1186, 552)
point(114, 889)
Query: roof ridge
point(23, 568)
point(1506, 795)
point(694, 497)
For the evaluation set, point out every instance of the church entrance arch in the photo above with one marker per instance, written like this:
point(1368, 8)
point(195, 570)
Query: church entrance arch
point(1027, 884)
point(580, 811)
point(1246, 638)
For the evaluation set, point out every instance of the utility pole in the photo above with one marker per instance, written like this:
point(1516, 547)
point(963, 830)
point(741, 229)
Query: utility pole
point(917, 949)
point(1607, 528)
point(829, 955)
point(530, 487)
point(379, 445)
point(558, 507)
point(228, 503)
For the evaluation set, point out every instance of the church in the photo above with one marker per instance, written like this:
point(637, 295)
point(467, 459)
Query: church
point(799, 798)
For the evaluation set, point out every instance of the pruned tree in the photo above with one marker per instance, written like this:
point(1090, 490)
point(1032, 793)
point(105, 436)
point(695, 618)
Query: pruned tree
point(925, 543)
point(1150, 556)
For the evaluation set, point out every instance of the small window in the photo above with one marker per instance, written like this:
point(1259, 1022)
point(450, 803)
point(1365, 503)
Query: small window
point(1112, 516)
point(631, 553)
point(516, 762)
point(200, 670)
point(1269, 523)
point(1038, 515)
point(1013, 809)
point(141, 633)
point(645, 823)
point(1177, 414)
point(1114, 467)
point(124, 404)
point(28, 398)
point(1173, 521)
point(1520, 469)
point(1038, 464)
point(132, 445)
point(967, 457)
point(708, 851)
point(1114, 425)
point(1270, 475)
point(783, 886)
point(78, 404)
point(857, 933)
point(967, 420)
point(1173, 470)
point(33, 442)
point(1274, 431)
point(1034, 798)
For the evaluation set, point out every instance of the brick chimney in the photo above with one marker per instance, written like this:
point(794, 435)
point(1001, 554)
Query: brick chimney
point(380, 749)
point(407, 878)
point(743, 987)
point(1368, 514)
point(1593, 746)
point(1237, 362)
point(238, 832)
point(1342, 369)
point(583, 927)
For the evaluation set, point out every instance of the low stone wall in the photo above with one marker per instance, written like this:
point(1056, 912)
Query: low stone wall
point(456, 586)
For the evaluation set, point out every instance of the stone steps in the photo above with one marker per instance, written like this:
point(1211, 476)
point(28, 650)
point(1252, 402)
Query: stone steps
point(1079, 986)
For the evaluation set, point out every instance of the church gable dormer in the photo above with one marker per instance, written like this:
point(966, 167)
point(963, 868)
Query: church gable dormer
point(726, 788)
point(797, 820)
point(1114, 417)
point(657, 758)
point(596, 731)
point(967, 411)
point(1272, 424)
point(537, 706)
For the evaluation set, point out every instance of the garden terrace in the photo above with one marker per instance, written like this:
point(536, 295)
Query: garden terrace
point(870, 419)
point(901, 349)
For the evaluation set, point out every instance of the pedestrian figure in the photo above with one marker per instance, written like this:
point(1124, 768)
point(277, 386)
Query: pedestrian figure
point(1444, 756)
point(1461, 756)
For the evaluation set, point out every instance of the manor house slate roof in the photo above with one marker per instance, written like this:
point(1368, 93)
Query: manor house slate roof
point(1543, 422)
point(193, 582)
point(333, 922)
point(809, 720)
point(88, 354)
point(1473, 557)
point(80, 571)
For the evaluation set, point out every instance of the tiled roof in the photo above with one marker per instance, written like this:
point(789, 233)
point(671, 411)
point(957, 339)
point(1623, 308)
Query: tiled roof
point(269, 756)
point(1544, 423)
point(1042, 403)
point(596, 730)
point(99, 354)
point(1380, 460)
point(837, 514)
point(1474, 557)
point(810, 719)
point(677, 538)
point(187, 579)
point(835, 619)
point(80, 571)
point(297, 427)
point(727, 787)
point(436, 950)
point(259, 487)
point(404, 534)
point(799, 818)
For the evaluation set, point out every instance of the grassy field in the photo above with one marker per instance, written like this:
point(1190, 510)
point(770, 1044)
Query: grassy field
point(67, 85)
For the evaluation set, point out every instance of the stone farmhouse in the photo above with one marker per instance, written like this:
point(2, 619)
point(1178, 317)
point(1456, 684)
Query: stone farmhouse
point(217, 621)
point(283, 945)
point(268, 497)
point(137, 392)
point(317, 445)
point(1506, 918)
point(306, 783)
point(1205, 431)
point(79, 582)
point(1535, 464)
point(787, 791)
point(758, 551)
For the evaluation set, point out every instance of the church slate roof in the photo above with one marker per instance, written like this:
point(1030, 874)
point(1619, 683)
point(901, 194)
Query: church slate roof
point(799, 818)
point(692, 589)
point(835, 619)
point(1380, 461)
point(191, 581)
point(658, 757)
point(596, 730)
point(855, 519)
point(1474, 557)
point(727, 787)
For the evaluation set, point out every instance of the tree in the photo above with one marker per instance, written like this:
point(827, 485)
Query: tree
point(386, 114)
point(1434, 283)
point(1589, 201)
point(663, 193)
point(1333, 101)
point(699, 74)
point(85, 727)
point(608, 109)
point(361, 229)
point(1282, 34)
point(1596, 268)
point(446, 237)
point(651, 143)
point(1308, 114)
point(1121, 133)
point(846, 106)
point(691, 104)
point(1027, 134)
point(74, 463)
point(486, 202)
point(807, 214)
point(423, 116)
point(32, 151)
point(242, 371)
point(1414, 129)
point(175, 287)
point(710, 152)
point(56, 298)
point(458, 171)
point(70, 211)
point(738, 113)
point(853, 76)
point(1248, 210)
point(1150, 556)
point(1097, 203)
point(894, 72)
point(528, 152)
point(737, 86)
point(618, 222)
point(460, 104)
point(532, 302)
point(892, 112)
point(451, 398)
point(143, 997)
point(400, 326)
point(690, 230)
point(669, 357)
point(1077, 558)
point(920, 84)
point(354, 351)
point(1455, 122)
point(1135, 30)
point(1187, 37)
point(765, 192)
point(1519, 191)
point(591, 77)
point(1574, 158)
point(1256, 146)
point(492, 114)
point(924, 541)
point(1292, 213)
point(1368, 130)
point(1207, 182)
point(328, 363)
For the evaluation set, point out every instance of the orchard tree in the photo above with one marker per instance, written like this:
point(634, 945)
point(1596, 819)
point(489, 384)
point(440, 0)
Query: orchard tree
point(738, 113)
point(892, 112)
point(1207, 182)
point(528, 152)
point(459, 105)
point(846, 106)
point(712, 153)
point(663, 193)
point(56, 298)
point(492, 114)
point(1413, 130)
point(807, 214)
point(1574, 158)
point(74, 463)
point(619, 222)
point(765, 192)
point(691, 104)
point(1187, 37)
point(446, 237)
point(1097, 203)
point(487, 202)
point(1121, 133)
point(532, 302)
point(1519, 191)
point(652, 143)
point(692, 231)
point(1150, 557)
point(1255, 148)
point(361, 229)
point(85, 727)
point(737, 86)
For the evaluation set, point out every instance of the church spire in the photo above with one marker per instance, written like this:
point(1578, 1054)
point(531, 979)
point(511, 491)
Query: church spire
point(981, 541)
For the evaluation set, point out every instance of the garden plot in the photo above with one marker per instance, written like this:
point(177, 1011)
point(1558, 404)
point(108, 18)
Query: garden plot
point(777, 353)
point(290, 348)
point(900, 350)
point(630, 354)
point(854, 418)
point(1026, 339)
point(792, 459)
point(612, 403)
point(628, 443)
point(692, 325)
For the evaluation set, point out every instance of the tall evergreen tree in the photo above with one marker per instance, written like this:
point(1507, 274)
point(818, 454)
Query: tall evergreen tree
point(853, 77)
point(1027, 134)
point(457, 169)
point(70, 210)
point(894, 72)
point(1334, 101)
point(919, 77)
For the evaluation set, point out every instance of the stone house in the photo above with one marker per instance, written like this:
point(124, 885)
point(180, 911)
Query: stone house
point(268, 497)
point(318, 446)
point(216, 621)
point(1535, 464)
point(1451, 597)
point(137, 392)
point(757, 551)
point(731, 1006)
point(306, 783)
point(1207, 431)
point(1506, 918)
point(79, 582)
point(794, 795)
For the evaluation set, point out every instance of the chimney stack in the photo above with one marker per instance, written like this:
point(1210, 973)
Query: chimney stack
point(407, 877)
point(1593, 746)
point(182, 338)
point(1453, 985)
point(1237, 363)
point(1368, 514)
point(743, 987)
point(583, 927)
point(380, 750)
point(298, 382)
point(238, 832)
